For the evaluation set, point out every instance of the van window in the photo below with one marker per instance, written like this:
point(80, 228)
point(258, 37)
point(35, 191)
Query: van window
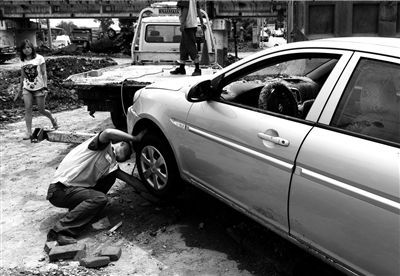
point(163, 34)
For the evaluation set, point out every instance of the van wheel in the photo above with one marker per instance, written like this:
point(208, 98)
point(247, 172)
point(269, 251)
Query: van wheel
point(118, 118)
point(157, 166)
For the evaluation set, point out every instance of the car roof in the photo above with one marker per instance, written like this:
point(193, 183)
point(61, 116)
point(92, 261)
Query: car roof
point(378, 45)
point(378, 41)
point(374, 45)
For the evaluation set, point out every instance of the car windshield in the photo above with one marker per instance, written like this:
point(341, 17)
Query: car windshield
point(297, 67)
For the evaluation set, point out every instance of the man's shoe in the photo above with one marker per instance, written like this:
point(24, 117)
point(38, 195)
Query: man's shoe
point(178, 71)
point(196, 72)
point(51, 235)
point(61, 239)
point(64, 240)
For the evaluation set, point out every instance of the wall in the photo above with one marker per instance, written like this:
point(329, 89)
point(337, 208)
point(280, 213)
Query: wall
point(320, 19)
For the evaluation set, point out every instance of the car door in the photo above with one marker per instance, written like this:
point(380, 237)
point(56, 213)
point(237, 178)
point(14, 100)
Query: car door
point(345, 192)
point(243, 154)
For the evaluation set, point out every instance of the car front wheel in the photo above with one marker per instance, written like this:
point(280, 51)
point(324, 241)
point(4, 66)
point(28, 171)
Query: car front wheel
point(157, 166)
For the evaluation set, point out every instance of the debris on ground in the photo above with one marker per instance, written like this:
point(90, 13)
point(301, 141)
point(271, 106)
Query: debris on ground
point(50, 245)
point(74, 251)
point(113, 252)
point(59, 98)
point(95, 262)
point(116, 226)
point(101, 224)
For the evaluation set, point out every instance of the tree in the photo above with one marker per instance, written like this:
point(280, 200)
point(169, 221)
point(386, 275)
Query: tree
point(67, 26)
point(105, 23)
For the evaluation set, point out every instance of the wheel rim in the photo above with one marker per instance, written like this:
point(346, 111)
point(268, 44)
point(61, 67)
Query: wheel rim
point(154, 167)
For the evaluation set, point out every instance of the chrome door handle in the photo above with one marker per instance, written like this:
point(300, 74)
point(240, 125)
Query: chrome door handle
point(274, 139)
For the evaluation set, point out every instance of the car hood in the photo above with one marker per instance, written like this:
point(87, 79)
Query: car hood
point(177, 83)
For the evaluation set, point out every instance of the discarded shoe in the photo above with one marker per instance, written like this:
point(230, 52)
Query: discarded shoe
point(196, 72)
point(178, 71)
point(34, 136)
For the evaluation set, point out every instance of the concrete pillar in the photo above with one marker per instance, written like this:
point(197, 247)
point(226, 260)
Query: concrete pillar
point(220, 30)
point(388, 14)
point(25, 30)
point(289, 24)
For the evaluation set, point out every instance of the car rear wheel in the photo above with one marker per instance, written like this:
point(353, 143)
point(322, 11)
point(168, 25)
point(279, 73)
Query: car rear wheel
point(157, 166)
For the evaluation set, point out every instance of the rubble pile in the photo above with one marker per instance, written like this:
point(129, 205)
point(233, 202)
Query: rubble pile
point(59, 98)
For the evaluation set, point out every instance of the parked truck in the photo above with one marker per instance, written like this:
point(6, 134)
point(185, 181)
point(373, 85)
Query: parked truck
point(7, 43)
point(155, 50)
point(82, 37)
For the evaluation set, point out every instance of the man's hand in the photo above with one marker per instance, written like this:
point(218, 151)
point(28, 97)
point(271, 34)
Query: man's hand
point(140, 136)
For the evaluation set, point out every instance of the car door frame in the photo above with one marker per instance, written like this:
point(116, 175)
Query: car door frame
point(336, 182)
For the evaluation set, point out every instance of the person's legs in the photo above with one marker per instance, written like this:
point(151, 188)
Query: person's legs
point(84, 204)
point(105, 183)
point(192, 50)
point(40, 103)
point(183, 49)
point(28, 98)
point(184, 55)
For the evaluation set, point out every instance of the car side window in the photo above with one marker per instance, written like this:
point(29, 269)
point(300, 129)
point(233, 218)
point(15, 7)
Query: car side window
point(370, 104)
point(284, 86)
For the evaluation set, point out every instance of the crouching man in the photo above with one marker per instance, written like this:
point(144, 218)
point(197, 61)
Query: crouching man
point(83, 178)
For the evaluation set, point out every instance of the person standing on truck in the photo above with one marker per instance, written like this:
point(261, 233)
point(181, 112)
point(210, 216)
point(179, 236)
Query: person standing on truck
point(189, 11)
point(83, 179)
point(33, 85)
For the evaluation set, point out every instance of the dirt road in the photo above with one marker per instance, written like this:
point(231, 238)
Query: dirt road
point(194, 235)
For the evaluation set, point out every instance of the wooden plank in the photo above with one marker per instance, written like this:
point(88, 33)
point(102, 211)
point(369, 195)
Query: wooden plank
point(68, 136)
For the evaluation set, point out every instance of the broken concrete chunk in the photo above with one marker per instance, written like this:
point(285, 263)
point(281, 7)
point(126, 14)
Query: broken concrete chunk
point(49, 245)
point(70, 251)
point(93, 262)
point(113, 252)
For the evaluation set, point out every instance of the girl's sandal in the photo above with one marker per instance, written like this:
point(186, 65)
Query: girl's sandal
point(55, 124)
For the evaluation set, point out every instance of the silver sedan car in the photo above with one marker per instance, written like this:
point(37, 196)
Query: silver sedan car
point(303, 138)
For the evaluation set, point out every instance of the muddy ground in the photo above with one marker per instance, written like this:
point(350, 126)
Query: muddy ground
point(193, 235)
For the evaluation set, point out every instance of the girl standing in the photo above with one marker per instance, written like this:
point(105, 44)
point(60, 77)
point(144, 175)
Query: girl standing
point(33, 85)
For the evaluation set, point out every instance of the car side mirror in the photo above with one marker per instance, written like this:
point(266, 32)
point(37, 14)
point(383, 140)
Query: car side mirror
point(199, 92)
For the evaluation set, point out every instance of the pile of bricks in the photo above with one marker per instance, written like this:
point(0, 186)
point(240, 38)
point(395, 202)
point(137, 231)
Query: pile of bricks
point(77, 252)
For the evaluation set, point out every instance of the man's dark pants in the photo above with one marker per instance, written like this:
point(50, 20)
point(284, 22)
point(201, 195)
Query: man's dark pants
point(188, 46)
point(84, 204)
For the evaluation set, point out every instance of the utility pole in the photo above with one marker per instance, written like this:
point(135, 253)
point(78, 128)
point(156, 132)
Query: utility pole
point(290, 23)
point(49, 33)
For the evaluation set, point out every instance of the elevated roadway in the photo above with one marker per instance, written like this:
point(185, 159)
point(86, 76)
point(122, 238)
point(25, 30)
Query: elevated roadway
point(14, 9)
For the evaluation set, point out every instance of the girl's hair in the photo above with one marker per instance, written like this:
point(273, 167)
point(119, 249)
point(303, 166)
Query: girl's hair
point(25, 43)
